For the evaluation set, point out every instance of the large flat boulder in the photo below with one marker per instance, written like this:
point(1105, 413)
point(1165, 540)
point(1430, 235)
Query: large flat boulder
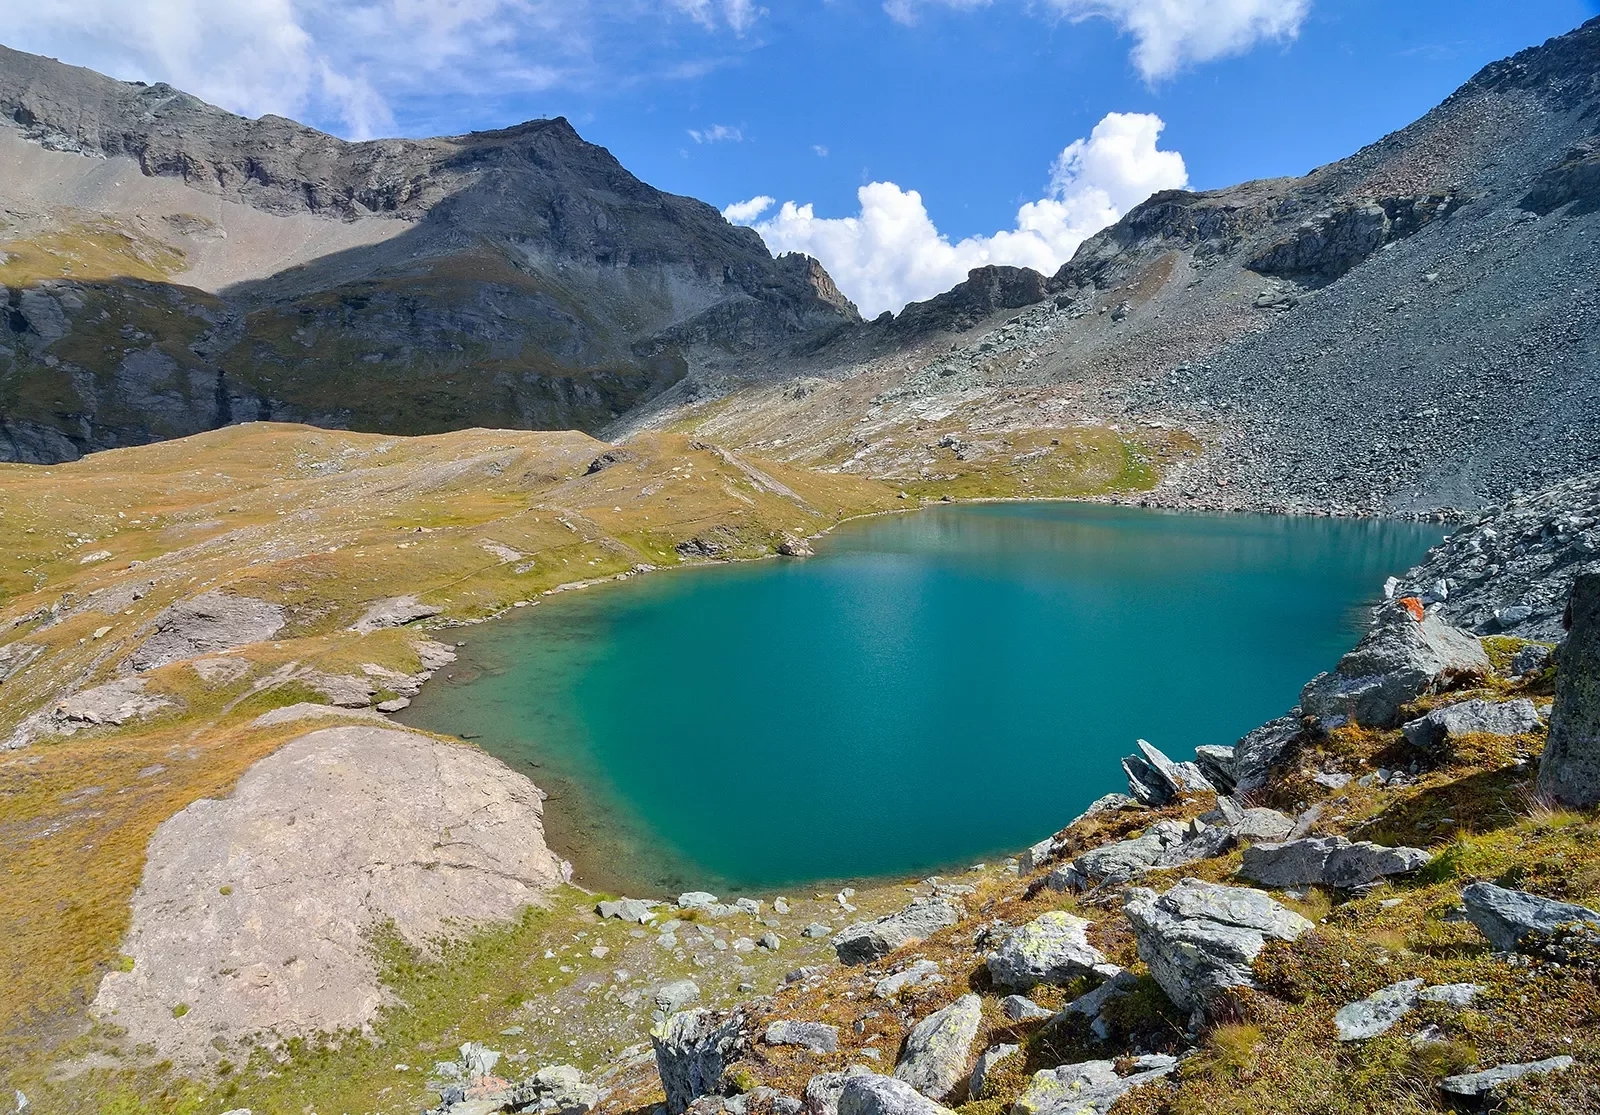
point(1201, 938)
point(1474, 717)
point(867, 941)
point(1516, 920)
point(1401, 658)
point(1088, 1087)
point(253, 911)
point(870, 1094)
point(1330, 861)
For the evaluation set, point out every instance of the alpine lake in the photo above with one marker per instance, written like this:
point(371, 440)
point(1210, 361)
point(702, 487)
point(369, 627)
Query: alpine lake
point(931, 689)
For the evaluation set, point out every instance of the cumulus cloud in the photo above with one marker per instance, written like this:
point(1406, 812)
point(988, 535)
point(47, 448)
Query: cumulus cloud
point(891, 253)
point(1168, 34)
point(717, 133)
point(344, 63)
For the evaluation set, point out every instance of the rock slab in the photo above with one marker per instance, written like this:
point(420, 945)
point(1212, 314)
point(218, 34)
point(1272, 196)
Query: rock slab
point(866, 941)
point(692, 1048)
point(1569, 771)
point(1053, 948)
point(938, 1048)
point(1330, 861)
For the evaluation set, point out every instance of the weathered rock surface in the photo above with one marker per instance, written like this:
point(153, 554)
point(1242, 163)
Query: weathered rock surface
point(1053, 948)
point(864, 941)
point(818, 1037)
point(1089, 1087)
point(824, 1089)
point(1481, 1085)
point(1378, 1012)
point(627, 909)
point(670, 998)
point(394, 612)
point(116, 703)
point(1020, 1008)
point(360, 825)
point(1516, 920)
point(920, 974)
point(1569, 771)
point(1155, 780)
point(1331, 861)
point(987, 1060)
point(870, 1094)
point(1254, 755)
point(692, 1048)
point(1399, 660)
point(1474, 717)
point(209, 623)
point(939, 1048)
point(1201, 938)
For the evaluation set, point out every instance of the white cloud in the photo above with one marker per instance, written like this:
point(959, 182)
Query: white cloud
point(717, 133)
point(1168, 34)
point(819, 150)
point(891, 253)
point(343, 63)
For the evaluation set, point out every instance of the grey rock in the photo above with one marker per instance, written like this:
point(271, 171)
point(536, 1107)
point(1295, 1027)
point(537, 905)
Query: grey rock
point(824, 1089)
point(1516, 920)
point(1569, 771)
point(1201, 938)
point(115, 703)
point(1107, 803)
point(1378, 1012)
point(864, 941)
point(1481, 1085)
point(987, 1060)
point(749, 906)
point(210, 623)
point(555, 1090)
point(939, 1047)
point(1216, 764)
point(1087, 1088)
point(870, 1094)
point(1124, 859)
point(1399, 660)
point(1532, 659)
point(770, 941)
point(394, 612)
point(815, 1036)
point(627, 909)
point(692, 1048)
point(1262, 825)
point(670, 998)
point(697, 900)
point(816, 929)
point(1053, 948)
point(1474, 717)
point(1331, 861)
point(1035, 856)
point(1154, 779)
point(920, 974)
point(1019, 1008)
point(1452, 994)
point(1091, 1003)
point(1254, 755)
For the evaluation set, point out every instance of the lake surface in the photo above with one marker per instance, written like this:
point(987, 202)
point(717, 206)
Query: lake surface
point(932, 689)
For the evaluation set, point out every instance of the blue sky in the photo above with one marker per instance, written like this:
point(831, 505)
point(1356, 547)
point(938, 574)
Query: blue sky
point(966, 102)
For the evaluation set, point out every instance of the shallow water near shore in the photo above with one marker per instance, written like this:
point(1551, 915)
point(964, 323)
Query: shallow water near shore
point(932, 689)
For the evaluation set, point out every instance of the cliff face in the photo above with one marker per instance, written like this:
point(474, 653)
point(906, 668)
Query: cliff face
point(170, 267)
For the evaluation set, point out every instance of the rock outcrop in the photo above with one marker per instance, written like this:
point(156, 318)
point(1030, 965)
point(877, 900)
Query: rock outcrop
point(1474, 717)
point(1516, 920)
point(207, 624)
point(1200, 939)
point(939, 1048)
point(864, 941)
point(1088, 1087)
point(1329, 861)
point(691, 1050)
point(1569, 771)
point(1053, 948)
point(365, 825)
point(1405, 655)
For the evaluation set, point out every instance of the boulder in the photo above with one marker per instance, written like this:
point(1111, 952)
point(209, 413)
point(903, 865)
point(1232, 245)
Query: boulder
point(921, 974)
point(691, 1049)
point(1155, 780)
point(870, 1094)
point(1200, 938)
point(1330, 861)
point(824, 1089)
point(1569, 771)
point(1087, 1088)
point(1106, 803)
point(1036, 855)
point(1401, 658)
point(987, 1060)
point(394, 612)
point(866, 941)
point(1122, 860)
point(555, 1090)
point(1474, 717)
point(939, 1047)
point(672, 997)
point(627, 909)
point(1379, 1011)
point(1254, 755)
point(1259, 825)
point(1020, 1008)
point(1478, 1086)
point(115, 703)
point(1053, 948)
point(1216, 763)
point(818, 1037)
point(1516, 920)
point(1531, 659)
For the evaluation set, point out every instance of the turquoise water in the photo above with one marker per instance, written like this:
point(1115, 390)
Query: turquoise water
point(931, 689)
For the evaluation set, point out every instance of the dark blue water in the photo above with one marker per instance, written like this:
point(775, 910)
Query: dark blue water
point(932, 689)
